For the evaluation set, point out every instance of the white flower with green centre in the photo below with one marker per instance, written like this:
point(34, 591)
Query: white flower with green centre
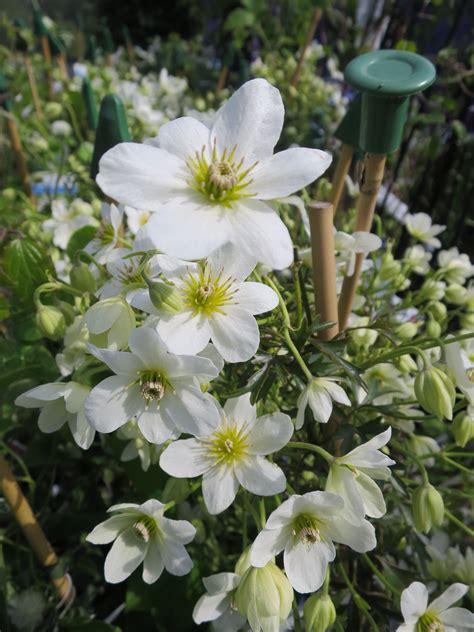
point(141, 533)
point(455, 267)
point(218, 603)
point(461, 367)
point(108, 233)
point(210, 186)
point(421, 227)
point(232, 455)
point(126, 279)
point(319, 394)
point(210, 301)
point(437, 616)
point(66, 218)
point(161, 390)
point(60, 403)
point(305, 527)
point(418, 259)
point(351, 476)
point(349, 246)
point(137, 446)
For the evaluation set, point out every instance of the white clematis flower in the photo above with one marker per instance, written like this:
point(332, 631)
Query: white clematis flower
point(61, 403)
point(161, 390)
point(143, 534)
point(110, 322)
point(351, 476)
point(455, 266)
point(138, 446)
point(461, 368)
point(419, 616)
point(418, 259)
point(126, 279)
point(136, 219)
point(209, 187)
point(108, 233)
point(349, 246)
point(212, 303)
point(217, 604)
point(232, 455)
point(305, 527)
point(66, 218)
point(319, 394)
point(421, 227)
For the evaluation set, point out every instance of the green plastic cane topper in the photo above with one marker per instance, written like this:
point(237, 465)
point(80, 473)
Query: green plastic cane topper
point(91, 47)
point(56, 45)
point(348, 130)
point(21, 43)
point(112, 129)
point(90, 103)
point(107, 40)
point(39, 27)
point(386, 78)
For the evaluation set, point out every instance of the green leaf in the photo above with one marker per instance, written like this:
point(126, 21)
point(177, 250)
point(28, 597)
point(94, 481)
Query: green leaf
point(80, 239)
point(25, 266)
point(239, 19)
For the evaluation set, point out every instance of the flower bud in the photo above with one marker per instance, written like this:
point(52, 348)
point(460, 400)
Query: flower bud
point(433, 328)
point(82, 278)
point(428, 508)
point(463, 428)
point(432, 290)
point(456, 294)
point(407, 331)
point(67, 311)
point(437, 310)
point(53, 109)
point(435, 392)
point(406, 364)
point(390, 268)
point(51, 322)
point(243, 563)
point(467, 321)
point(110, 323)
point(319, 613)
point(264, 596)
point(363, 337)
point(164, 296)
point(9, 194)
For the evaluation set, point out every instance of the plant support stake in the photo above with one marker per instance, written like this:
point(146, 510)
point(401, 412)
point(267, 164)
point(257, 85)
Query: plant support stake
point(309, 38)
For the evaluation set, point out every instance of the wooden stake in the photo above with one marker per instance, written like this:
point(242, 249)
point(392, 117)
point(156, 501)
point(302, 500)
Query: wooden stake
point(222, 79)
point(19, 155)
point(372, 176)
point(32, 531)
point(324, 265)
point(62, 65)
point(47, 58)
point(342, 169)
point(33, 87)
point(309, 38)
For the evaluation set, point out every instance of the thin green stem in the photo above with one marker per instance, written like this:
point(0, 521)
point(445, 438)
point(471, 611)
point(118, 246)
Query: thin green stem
point(460, 467)
point(263, 513)
point(301, 445)
point(297, 355)
point(452, 518)
point(416, 459)
point(255, 515)
point(358, 600)
point(296, 615)
point(380, 575)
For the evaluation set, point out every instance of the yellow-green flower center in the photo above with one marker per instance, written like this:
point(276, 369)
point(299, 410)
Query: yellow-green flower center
point(105, 234)
point(429, 622)
point(228, 443)
point(206, 294)
point(305, 528)
point(152, 386)
point(221, 179)
point(145, 528)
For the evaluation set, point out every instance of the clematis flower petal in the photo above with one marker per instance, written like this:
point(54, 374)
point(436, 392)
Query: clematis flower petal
point(108, 530)
point(306, 566)
point(52, 416)
point(126, 554)
point(219, 488)
point(452, 594)
point(270, 434)
point(183, 137)
point(153, 564)
point(256, 297)
point(259, 476)
point(112, 403)
point(414, 601)
point(235, 334)
point(184, 459)
point(267, 545)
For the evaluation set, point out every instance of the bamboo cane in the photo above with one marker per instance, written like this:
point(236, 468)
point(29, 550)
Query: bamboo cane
point(324, 265)
point(374, 166)
point(33, 86)
point(47, 58)
point(342, 169)
point(224, 73)
point(33, 532)
point(309, 38)
point(62, 65)
point(19, 155)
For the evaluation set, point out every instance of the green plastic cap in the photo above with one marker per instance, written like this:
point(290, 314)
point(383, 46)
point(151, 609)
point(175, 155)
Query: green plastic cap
point(21, 44)
point(112, 129)
point(90, 103)
point(348, 130)
point(107, 40)
point(91, 48)
point(39, 28)
point(56, 45)
point(386, 78)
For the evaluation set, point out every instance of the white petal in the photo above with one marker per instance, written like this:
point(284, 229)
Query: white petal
point(189, 228)
point(414, 601)
point(258, 231)
point(342, 481)
point(235, 334)
point(99, 319)
point(360, 538)
point(211, 353)
point(153, 508)
point(267, 545)
point(231, 262)
point(252, 119)
point(377, 442)
point(184, 459)
point(283, 514)
point(75, 396)
point(141, 176)
point(288, 171)
point(270, 434)
point(141, 300)
point(320, 403)
point(219, 488)
point(81, 430)
point(337, 393)
point(183, 137)
point(210, 607)
point(173, 268)
point(448, 597)
point(155, 427)
point(36, 397)
point(146, 344)
point(108, 530)
point(221, 582)
point(112, 403)
point(306, 566)
point(121, 362)
point(153, 564)
point(126, 554)
point(259, 476)
point(240, 409)
point(52, 416)
point(256, 297)
point(185, 332)
point(366, 242)
point(459, 618)
point(176, 558)
point(180, 531)
point(191, 410)
point(372, 497)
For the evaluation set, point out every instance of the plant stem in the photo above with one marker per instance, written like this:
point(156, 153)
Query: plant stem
point(380, 575)
point(358, 600)
point(296, 615)
point(313, 448)
point(458, 522)
point(263, 514)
